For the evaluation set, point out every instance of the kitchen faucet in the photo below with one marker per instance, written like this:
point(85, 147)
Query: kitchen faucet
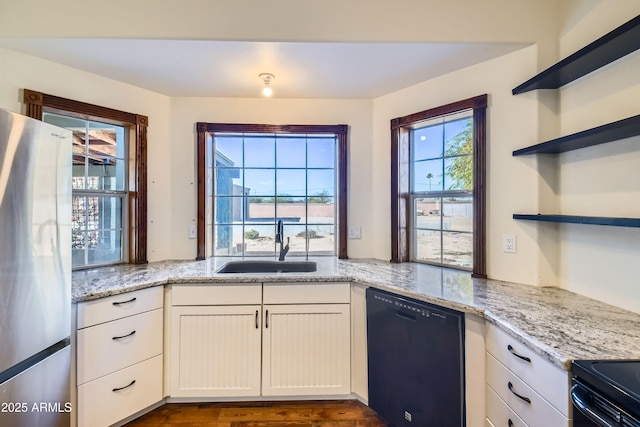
point(280, 239)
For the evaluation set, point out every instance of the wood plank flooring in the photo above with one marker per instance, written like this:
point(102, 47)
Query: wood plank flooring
point(320, 413)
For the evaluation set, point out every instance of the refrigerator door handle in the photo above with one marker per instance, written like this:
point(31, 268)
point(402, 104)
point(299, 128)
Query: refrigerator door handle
point(33, 360)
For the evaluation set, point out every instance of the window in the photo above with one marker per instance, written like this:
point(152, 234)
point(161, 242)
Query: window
point(438, 186)
point(99, 208)
point(109, 178)
point(259, 174)
point(442, 190)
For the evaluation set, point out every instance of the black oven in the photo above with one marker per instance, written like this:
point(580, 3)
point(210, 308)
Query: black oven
point(606, 393)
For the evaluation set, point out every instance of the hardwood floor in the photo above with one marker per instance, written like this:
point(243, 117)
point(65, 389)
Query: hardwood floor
point(320, 413)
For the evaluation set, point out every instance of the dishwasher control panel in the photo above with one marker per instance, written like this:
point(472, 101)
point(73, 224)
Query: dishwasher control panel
point(417, 308)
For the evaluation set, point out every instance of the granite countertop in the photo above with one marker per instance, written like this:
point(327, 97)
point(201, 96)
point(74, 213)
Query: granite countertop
point(558, 324)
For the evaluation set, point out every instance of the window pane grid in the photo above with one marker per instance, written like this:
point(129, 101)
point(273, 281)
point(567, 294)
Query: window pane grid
point(98, 190)
point(441, 175)
point(277, 168)
point(246, 216)
point(96, 229)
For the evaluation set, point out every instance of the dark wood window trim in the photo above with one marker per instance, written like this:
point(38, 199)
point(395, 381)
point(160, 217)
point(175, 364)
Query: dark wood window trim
point(206, 131)
point(400, 178)
point(37, 102)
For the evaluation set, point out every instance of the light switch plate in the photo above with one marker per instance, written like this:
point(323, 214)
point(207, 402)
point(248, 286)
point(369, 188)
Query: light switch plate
point(355, 233)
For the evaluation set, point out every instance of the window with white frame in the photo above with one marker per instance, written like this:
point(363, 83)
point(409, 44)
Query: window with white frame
point(99, 190)
point(442, 190)
point(261, 178)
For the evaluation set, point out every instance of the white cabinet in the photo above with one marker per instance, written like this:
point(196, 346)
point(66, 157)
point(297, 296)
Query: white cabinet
point(359, 360)
point(215, 351)
point(216, 340)
point(306, 339)
point(114, 397)
point(523, 388)
point(474, 368)
point(233, 340)
point(305, 350)
point(117, 344)
point(119, 356)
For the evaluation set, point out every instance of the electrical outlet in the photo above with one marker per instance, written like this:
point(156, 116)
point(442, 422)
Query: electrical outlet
point(509, 243)
point(192, 231)
point(355, 233)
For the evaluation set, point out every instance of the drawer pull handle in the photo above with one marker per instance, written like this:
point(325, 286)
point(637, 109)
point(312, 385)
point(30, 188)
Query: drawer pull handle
point(124, 302)
point(122, 388)
point(510, 423)
point(512, 351)
point(526, 399)
point(124, 336)
point(257, 325)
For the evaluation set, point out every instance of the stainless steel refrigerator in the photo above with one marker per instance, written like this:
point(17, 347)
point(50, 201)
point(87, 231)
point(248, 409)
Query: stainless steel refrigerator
point(35, 272)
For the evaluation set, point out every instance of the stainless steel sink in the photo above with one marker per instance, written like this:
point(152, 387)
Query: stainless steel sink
point(251, 266)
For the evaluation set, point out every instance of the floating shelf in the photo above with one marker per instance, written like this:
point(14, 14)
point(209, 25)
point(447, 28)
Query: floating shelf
point(621, 129)
point(573, 219)
point(608, 48)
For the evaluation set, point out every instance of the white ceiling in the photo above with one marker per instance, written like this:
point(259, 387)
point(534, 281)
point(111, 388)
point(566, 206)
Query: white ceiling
point(231, 68)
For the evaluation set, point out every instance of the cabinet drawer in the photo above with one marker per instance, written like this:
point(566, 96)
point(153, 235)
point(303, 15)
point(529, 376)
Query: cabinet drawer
point(118, 306)
point(100, 403)
point(218, 294)
point(307, 293)
point(499, 413)
point(544, 377)
point(537, 413)
point(100, 354)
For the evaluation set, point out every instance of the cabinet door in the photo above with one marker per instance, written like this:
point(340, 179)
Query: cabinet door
point(306, 350)
point(215, 351)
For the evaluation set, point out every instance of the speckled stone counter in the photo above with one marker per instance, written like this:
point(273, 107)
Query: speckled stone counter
point(558, 324)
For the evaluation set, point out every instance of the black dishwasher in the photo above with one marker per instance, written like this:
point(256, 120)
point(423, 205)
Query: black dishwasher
point(416, 361)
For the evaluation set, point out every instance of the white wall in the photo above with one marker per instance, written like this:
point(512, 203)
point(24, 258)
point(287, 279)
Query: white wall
point(187, 111)
point(20, 71)
point(283, 20)
point(595, 261)
point(513, 183)
point(171, 188)
point(591, 260)
point(171, 166)
point(600, 262)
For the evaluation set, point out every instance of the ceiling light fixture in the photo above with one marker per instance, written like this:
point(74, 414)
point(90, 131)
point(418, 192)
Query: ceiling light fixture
point(266, 78)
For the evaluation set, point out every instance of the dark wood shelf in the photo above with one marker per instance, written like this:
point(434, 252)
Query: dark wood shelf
point(573, 219)
point(621, 129)
point(608, 48)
